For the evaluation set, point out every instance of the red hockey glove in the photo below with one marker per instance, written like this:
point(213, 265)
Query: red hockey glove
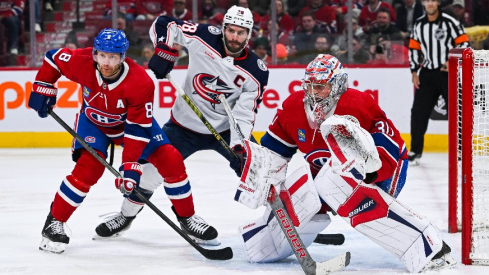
point(131, 174)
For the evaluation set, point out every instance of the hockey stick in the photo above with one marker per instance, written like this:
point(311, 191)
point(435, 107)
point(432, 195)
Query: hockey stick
point(201, 116)
point(216, 254)
point(305, 260)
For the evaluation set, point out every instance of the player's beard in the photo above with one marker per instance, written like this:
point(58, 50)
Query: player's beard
point(234, 47)
point(109, 72)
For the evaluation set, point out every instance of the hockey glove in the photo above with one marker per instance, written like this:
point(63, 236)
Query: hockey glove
point(131, 174)
point(238, 163)
point(43, 98)
point(161, 63)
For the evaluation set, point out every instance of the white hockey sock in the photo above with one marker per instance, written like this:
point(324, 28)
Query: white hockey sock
point(130, 208)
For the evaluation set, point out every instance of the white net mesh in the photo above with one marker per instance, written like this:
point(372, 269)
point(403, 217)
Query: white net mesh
point(480, 160)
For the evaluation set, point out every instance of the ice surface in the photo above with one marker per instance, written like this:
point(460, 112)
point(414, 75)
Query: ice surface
point(29, 179)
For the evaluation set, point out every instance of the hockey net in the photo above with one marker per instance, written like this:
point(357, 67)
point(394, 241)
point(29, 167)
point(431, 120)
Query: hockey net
point(469, 152)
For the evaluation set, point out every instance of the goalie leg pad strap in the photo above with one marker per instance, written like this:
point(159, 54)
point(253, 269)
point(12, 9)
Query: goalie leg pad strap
point(380, 217)
point(264, 241)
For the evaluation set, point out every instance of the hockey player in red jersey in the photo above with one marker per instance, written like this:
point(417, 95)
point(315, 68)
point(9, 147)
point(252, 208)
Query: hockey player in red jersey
point(358, 163)
point(117, 107)
point(220, 64)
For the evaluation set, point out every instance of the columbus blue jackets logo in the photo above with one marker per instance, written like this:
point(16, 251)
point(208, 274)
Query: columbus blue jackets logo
point(103, 119)
point(209, 87)
point(317, 158)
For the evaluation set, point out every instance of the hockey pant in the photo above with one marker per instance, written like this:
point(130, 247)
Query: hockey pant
point(165, 165)
point(380, 217)
point(263, 239)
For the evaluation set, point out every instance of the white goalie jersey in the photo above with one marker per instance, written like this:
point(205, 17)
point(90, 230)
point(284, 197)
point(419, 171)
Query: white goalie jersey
point(212, 73)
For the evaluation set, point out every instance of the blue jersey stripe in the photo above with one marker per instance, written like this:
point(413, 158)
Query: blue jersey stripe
point(273, 144)
point(381, 140)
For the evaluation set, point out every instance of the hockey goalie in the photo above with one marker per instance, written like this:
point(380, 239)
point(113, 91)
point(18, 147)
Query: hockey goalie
point(357, 167)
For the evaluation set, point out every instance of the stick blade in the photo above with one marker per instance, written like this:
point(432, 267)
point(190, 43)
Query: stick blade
point(334, 264)
point(222, 254)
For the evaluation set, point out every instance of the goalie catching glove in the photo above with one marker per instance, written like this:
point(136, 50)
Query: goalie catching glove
point(131, 174)
point(353, 150)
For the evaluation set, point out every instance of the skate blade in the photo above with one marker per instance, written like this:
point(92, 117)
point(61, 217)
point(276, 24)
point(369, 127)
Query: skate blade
point(414, 163)
point(213, 242)
point(446, 262)
point(98, 238)
point(50, 246)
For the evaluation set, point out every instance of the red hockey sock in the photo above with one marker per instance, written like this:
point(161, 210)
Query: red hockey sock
point(169, 163)
point(75, 187)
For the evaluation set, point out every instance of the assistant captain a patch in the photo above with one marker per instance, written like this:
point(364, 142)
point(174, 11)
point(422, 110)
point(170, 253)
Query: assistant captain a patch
point(301, 134)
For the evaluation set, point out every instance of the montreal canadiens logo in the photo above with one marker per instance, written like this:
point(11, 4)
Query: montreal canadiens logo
point(90, 139)
point(209, 87)
point(317, 158)
point(103, 119)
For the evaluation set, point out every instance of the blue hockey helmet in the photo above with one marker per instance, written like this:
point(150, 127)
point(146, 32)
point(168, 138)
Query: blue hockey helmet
point(111, 41)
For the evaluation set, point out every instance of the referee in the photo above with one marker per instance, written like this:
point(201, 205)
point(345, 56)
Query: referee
point(433, 35)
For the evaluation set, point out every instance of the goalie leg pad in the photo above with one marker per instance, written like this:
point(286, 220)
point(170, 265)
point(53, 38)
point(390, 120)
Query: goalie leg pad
point(264, 241)
point(380, 217)
point(300, 196)
point(262, 169)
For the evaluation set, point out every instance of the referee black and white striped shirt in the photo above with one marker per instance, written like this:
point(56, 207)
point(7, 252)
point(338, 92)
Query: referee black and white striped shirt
point(432, 40)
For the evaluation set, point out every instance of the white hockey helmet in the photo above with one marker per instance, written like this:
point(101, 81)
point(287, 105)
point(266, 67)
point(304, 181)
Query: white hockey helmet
point(239, 16)
point(324, 72)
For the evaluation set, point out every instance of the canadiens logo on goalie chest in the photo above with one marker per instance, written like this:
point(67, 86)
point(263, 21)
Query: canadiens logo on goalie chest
point(317, 158)
point(103, 119)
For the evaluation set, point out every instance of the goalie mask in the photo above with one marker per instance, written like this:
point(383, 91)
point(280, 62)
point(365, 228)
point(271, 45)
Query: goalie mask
point(323, 83)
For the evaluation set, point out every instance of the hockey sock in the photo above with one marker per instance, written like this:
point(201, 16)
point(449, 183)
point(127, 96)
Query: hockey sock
point(131, 205)
point(169, 163)
point(75, 187)
point(70, 195)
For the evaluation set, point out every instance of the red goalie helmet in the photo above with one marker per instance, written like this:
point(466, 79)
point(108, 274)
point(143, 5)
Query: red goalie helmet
point(323, 83)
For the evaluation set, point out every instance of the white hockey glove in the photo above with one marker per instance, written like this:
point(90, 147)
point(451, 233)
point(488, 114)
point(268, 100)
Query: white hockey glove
point(353, 151)
point(263, 168)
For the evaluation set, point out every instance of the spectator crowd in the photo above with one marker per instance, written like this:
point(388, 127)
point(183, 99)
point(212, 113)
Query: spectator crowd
point(305, 28)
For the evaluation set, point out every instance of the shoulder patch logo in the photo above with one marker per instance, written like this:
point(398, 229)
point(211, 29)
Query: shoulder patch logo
point(161, 39)
point(214, 30)
point(261, 65)
point(86, 92)
point(301, 134)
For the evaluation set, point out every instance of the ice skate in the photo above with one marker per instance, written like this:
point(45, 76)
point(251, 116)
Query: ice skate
point(198, 229)
point(441, 260)
point(113, 227)
point(414, 158)
point(54, 238)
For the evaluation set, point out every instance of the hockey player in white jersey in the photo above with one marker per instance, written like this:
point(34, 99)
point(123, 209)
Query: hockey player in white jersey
point(359, 164)
point(219, 64)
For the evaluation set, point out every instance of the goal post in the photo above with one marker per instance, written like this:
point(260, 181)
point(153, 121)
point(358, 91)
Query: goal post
point(468, 152)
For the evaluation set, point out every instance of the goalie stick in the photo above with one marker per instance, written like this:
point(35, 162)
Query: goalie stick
point(279, 211)
point(225, 253)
